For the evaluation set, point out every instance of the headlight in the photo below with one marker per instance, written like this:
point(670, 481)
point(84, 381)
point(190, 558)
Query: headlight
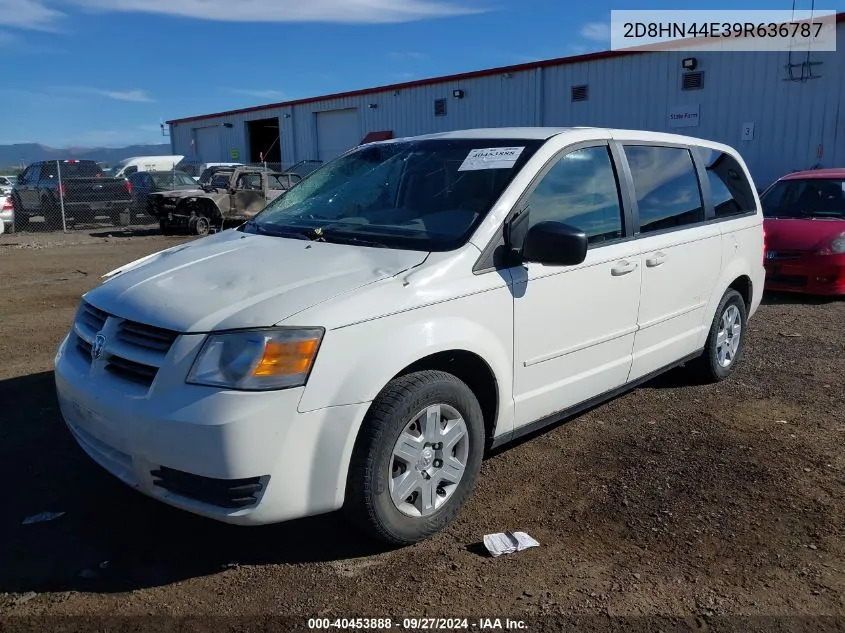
point(257, 360)
point(836, 247)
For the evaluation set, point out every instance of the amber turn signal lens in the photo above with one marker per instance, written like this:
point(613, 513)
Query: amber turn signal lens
point(287, 357)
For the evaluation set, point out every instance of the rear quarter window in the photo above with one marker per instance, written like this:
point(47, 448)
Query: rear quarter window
point(730, 191)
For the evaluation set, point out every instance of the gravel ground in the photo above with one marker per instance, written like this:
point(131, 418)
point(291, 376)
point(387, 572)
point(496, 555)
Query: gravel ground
point(699, 502)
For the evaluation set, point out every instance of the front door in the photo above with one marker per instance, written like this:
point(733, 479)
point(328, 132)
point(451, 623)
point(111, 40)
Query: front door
point(681, 256)
point(248, 198)
point(575, 325)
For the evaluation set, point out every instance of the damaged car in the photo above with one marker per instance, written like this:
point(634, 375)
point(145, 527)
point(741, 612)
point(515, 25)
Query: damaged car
point(232, 195)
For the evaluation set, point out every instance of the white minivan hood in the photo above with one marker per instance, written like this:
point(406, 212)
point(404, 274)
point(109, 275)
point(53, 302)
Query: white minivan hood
point(236, 280)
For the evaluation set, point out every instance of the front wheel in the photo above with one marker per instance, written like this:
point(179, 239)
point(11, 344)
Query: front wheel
point(726, 340)
point(200, 225)
point(416, 459)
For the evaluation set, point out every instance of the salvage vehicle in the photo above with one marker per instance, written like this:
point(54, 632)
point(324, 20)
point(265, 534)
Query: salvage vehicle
point(232, 195)
point(75, 188)
point(805, 232)
point(361, 342)
point(145, 183)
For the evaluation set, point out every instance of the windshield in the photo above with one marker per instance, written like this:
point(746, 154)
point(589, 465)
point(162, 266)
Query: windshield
point(427, 194)
point(171, 179)
point(805, 198)
point(221, 180)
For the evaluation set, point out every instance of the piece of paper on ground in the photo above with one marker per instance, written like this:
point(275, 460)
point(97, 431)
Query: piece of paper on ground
point(508, 543)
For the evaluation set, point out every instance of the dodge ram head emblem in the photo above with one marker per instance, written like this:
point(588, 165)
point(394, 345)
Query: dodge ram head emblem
point(98, 346)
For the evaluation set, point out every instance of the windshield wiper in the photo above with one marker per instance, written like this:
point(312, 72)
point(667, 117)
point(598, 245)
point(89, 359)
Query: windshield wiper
point(280, 232)
point(351, 239)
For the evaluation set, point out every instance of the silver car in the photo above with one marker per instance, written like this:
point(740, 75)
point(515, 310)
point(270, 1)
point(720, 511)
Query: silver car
point(6, 184)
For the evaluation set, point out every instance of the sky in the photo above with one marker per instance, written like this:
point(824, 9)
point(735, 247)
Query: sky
point(91, 73)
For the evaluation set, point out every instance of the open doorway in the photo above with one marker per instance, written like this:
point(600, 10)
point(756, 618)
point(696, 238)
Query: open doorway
point(264, 142)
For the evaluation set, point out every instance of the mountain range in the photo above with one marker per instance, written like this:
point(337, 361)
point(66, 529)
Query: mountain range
point(23, 154)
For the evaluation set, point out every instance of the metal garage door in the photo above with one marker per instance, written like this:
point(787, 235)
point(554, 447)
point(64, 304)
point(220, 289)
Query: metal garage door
point(337, 131)
point(207, 148)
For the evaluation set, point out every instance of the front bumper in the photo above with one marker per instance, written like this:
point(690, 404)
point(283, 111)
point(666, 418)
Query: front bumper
point(184, 444)
point(808, 274)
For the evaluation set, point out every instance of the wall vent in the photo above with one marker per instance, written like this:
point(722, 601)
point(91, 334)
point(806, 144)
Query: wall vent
point(693, 81)
point(440, 107)
point(579, 93)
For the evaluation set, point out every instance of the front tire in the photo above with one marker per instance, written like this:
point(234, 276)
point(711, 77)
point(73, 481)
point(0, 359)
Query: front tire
point(416, 459)
point(201, 225)
point(726, 340)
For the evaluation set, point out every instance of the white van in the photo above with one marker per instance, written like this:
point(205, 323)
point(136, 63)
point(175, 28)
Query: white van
point(362, 341)
point(129, 166)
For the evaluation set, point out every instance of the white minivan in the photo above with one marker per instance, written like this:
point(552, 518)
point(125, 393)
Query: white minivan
point(129, 166)
point(364, 340)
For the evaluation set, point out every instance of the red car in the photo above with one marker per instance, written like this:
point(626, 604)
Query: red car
point(805, 232)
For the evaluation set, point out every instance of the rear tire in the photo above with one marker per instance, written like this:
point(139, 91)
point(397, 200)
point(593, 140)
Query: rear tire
point(416, 459)
point(52, 213)
point(19, 220)
point(725, 342)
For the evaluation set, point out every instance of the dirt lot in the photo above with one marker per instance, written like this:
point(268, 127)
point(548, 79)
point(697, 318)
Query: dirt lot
point(672, 500)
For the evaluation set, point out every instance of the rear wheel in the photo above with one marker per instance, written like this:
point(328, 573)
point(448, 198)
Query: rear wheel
point(19, 220)
point(416, 459)
point(52, 212)
point(726, 340)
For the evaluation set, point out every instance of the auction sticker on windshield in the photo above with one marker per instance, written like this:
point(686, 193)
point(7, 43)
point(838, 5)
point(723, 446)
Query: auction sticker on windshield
point(491, 158)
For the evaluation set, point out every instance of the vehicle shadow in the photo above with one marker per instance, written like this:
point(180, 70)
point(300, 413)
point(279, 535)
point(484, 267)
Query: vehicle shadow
point(111, 538)
point(126, 231)
point(777, 298)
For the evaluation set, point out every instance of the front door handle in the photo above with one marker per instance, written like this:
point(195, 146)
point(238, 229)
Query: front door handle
point(623, 268)
point(655, 260)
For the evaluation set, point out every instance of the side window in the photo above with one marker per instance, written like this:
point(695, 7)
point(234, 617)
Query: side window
point(249, 182)
point(581, 190)
point(730, 190)
point(666, 187)
point(129, 171)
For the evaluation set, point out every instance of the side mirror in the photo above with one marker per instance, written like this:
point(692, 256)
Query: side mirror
point(554, 244)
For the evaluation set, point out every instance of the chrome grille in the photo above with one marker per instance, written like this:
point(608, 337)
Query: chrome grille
point(83, 346)
point(130, 370)
point(92, 317)
point(147, 336)
point(133, 351)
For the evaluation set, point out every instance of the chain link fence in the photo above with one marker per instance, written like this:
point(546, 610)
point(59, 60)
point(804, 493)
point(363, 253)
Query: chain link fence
point(67, 195)
point(63, 195)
